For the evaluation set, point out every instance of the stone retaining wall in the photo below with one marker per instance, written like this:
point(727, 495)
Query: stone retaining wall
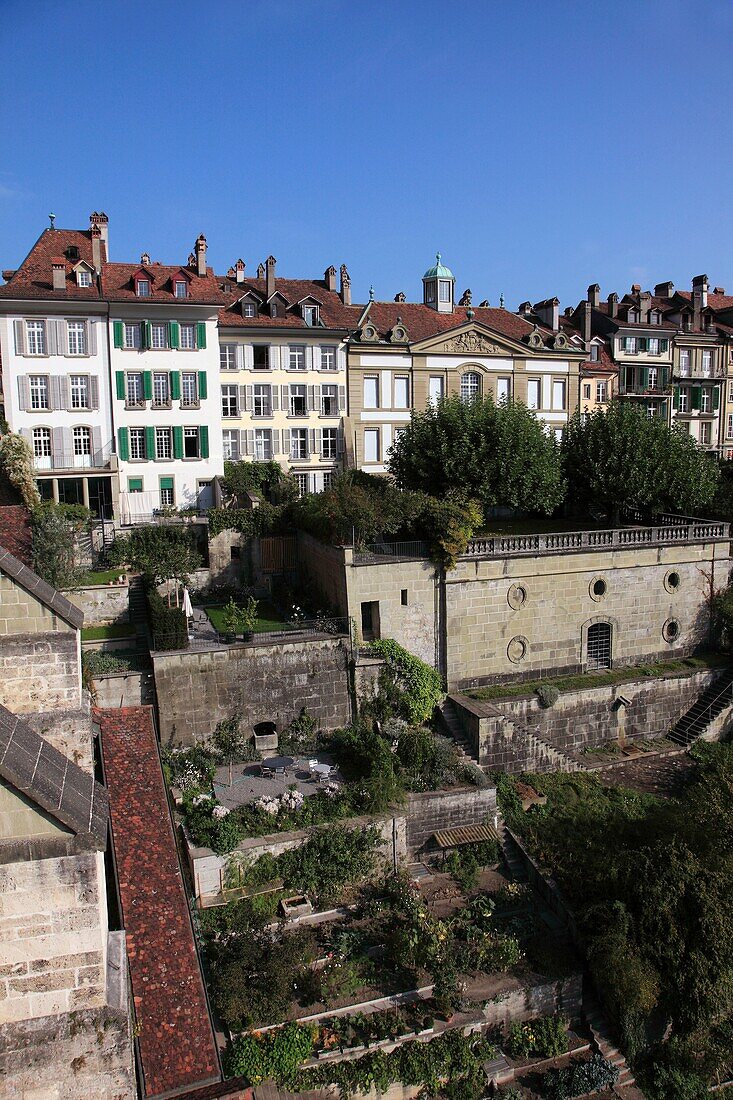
point(433, 810)
point(102, 603)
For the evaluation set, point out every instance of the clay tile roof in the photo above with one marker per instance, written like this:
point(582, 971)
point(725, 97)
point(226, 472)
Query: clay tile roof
point(118, 285)
point(15, 527)
point(422, 321)
point(333, 313)
point(42, 591)
point(34, 278)
point(715, 301)
point(54, 782)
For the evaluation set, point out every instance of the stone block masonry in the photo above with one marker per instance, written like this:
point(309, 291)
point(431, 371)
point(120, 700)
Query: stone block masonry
point(196, 689)
point(40, 672)
point(102, 603)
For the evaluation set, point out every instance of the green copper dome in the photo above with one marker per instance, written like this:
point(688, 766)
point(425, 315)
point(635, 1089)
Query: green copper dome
point(439, 271)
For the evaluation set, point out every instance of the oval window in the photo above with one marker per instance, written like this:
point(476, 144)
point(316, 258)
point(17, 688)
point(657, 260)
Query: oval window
point(598, 588)
point(671, 630)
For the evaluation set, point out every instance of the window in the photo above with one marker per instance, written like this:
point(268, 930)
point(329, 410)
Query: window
point(444, 290)
point(595, 353)
point(328, 477)
point(261, 355)
point(302, 480)
point(533, 393)
point(163, 447)
point(310, 315)
point(262, 401)
point(39, 391)
point(371, 445)
point(401, 392)
point(599, 645)
point(79, 391)
point(132, 336)
point(370, 620)
point(329, 443)
point(180, 288)
point(190, 443)
point(134, 485)
point(729, 426)
point(188, 337)
point(228, 356)
point(82, 442)
point(189, 391)
point(586, 392)
point(558, 432)
point(601, 391)
point(76, 337)
point(730, 391)
point(299, 443)
point(705, 400)
point(633, 316)
point(228, 400)
point(403, 597)
point(231, 445)
point(683, 399)
point(653, 345)
point(35, 337)
point(161, 391)
point(652, 378)
point(137, 444)
point(684, 362)
point(630, 346)
point(328, 358)
point(42, 446)
point(167, 500)
point(503, 389)
point(142, 288)
point(559, 387)
point(83, 278)
point(470, 386)
point(298, 404)
point(371, 392)
point(329, 401)
point(248, 309)
point(263, 444)
point(652, 409)
point(158, 335)
point(707, 364)
point(435, 390)
point(705, 432)
point(135, 398)
point(296, 357)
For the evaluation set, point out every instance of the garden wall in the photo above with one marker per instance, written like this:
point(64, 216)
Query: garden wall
point(196, 689)
point(124, 689)
point(429, 811)
point(102, 603)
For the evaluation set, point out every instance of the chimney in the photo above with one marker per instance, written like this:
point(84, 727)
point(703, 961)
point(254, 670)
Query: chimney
point(700, 284)
point(664, 290)
point(613, 304)
point(329, 276)
point(525, 308)
point(270, 275)
point(645, 305)
point(102, 221)
point(718, 290)
point(58, 272)
point(549, 312)
point(96, 234)
point(239, 270)
point(594, 295)
point(345, 291)
point(400, 296)
point(200, 250)
point(145, 259)
point(587, 315)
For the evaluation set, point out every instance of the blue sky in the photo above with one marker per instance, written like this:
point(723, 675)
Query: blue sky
point(539, 146)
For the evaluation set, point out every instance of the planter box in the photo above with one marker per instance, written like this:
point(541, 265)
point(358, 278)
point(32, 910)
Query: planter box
point(299, 905)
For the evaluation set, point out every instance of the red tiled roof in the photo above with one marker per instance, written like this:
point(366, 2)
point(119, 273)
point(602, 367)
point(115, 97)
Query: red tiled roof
point(334, 314)
point(118, 285)
point(176, 1041)
point(715, 301)
point(33, 279)
point(15, 527)
point(422, 321)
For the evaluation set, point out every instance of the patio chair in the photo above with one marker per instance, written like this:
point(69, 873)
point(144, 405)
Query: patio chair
point(267, 773)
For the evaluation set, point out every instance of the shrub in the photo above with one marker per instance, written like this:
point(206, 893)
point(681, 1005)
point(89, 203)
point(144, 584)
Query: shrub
point(277, 1054)
point(16, 462)
point(191, 769)
point(580, 1078)
point(546, 1037)
point(421, 686)
point(547, 694)
point(55, 527)
point(168, 624)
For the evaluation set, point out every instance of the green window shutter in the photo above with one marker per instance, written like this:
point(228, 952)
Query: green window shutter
point(664, 376)
point(176, 385)
point(178, 442)
point(123, 444)
point(150, 443)
point(204, 441)
point(643, 343)
point(201, 335)
point(663, 345)
point(696, 391)
point(119, 334)
point(644, 378)
point(174, 334)
point(166, 482)
point(629, 378)
point(676, 398)
point(716, 397)
point(120, 380)
point(146, 338)
point(203, 388)
point(134, 485)
point(148, 385)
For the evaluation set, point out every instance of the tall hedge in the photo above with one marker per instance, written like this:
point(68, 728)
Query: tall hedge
point(167, 624)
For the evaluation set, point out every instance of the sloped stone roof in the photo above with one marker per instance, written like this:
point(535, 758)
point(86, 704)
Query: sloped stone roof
point(43, 592)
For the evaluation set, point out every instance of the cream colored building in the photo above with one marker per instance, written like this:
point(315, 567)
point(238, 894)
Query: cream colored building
point(282, 346)
point(405, 356)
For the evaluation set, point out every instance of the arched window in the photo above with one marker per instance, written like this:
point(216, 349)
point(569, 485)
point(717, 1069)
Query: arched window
point(599, 645)
point(470, 386)
point(82, 442)
point(42, 447)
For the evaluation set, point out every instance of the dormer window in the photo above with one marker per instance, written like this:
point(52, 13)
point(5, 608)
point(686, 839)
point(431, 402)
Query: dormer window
point(180, 288)
point(310, 315)
point(633, 316)
point(248, 309)
point(595, 353)
point(655, 318)
point(83, 277)
point(142, 288)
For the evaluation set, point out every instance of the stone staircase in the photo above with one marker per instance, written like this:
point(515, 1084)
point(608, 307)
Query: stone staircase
point(596, 1021)
point(707, 707)
point(139, 612)
point(512, 856)
point(448, 717)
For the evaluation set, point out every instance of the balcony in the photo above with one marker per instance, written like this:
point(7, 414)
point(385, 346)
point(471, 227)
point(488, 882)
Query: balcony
point(96, 460)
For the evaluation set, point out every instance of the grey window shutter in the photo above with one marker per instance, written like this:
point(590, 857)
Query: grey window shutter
point(241, 390)
point(317, 399)
point(286, 441)
point(340, 442)
point(319, 441)
point(54, 393)
point(311, 404)
point(91, 337)
point(93, 391)
point(19, 327)
point(275, 398)
point(64, 393)
point(275, 441)
point(342, 398)
point(284, 403)
point(59, 458)
point(311, 441)
point(52, 343)
point(97, 446)
point(62, 343)
point(24, 392)
point(250, 441)
point(239, 356)
point(243, 443)
point(249, 392)
point(68, 445)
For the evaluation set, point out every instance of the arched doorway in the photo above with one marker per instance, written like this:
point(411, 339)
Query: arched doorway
point(599, 645)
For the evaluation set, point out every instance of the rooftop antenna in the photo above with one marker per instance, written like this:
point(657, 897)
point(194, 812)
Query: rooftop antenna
point(501, 301)
point(53, 219)
point(371, 293)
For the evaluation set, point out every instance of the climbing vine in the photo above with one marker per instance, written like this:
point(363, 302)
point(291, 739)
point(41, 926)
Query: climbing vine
point(420, 686)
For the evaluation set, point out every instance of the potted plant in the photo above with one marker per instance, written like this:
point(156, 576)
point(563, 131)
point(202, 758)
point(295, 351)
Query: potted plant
point(230, 618)
point(248, 617)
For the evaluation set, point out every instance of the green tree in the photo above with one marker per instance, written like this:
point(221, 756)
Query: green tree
point(622, 457)
point(229, 742)
point(160, 553)
point(496, 454)
point(266, 479)
point(16, 462)
point(55, 527)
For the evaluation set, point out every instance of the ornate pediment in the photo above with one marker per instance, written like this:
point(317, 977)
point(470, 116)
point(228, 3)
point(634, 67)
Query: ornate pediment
point(470, 342)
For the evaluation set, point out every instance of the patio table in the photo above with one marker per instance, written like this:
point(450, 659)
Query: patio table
point(322, 770)
point(278, 763)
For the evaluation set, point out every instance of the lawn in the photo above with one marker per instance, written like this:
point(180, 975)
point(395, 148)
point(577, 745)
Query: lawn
point(103, 577)
point(107, 633)
point(268, 618)
point(536, 525)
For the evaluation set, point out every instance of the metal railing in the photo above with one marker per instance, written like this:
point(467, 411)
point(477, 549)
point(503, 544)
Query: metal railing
point(309, 630)
point(95, 460)
point(399, 550)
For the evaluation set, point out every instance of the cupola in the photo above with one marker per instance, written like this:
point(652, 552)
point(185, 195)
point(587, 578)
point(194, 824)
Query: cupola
point(438, 286)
